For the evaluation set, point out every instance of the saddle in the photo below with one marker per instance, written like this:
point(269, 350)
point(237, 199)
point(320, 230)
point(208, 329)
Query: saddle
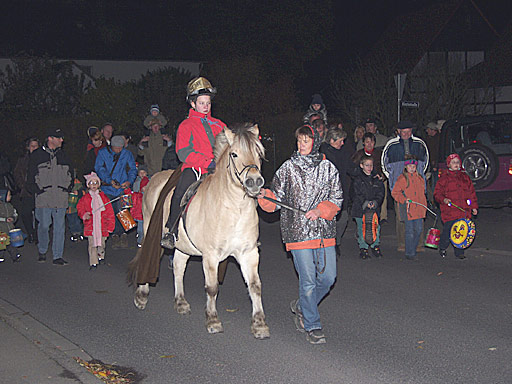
point(190, 192)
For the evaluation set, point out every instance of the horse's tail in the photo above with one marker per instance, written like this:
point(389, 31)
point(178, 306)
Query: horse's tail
point(133, 266)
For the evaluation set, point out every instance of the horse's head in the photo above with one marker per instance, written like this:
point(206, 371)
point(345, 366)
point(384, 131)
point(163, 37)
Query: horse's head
point(243, 154)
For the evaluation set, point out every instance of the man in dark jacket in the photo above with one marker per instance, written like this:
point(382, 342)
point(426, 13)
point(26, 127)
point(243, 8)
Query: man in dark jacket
point(49, 178)
point(340, 155)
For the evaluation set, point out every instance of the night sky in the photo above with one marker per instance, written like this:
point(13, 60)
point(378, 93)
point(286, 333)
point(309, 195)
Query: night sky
point(157, 29)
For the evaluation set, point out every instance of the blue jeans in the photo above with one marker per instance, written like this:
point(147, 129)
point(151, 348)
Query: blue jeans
point(413, 230)
point(140, 231)
point(116, 206)
point(45, 217)
point(313, 283)
point(360, 235)
point(74, 223)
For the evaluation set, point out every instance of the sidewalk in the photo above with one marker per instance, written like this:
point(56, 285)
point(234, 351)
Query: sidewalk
point(33, 353)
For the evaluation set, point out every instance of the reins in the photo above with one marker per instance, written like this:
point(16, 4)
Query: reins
point(238, 174)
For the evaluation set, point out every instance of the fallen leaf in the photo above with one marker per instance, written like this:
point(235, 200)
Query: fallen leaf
point(420, 342)
point(493, 349)
point(439, 273)
point(231, 310)
point(167, 356)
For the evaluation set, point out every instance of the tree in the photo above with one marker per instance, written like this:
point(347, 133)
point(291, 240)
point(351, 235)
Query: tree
point(37, 87)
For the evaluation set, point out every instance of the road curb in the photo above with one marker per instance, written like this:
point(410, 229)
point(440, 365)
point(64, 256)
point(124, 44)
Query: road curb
point(51, 343)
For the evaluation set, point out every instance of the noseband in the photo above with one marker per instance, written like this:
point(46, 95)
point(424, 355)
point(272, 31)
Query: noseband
point(238, 174)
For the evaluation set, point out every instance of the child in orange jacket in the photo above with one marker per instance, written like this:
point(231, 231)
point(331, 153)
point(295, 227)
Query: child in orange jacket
point(98, 217)
point(409, 190)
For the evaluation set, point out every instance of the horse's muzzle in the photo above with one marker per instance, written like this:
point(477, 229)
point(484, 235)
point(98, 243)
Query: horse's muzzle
point(253, 184)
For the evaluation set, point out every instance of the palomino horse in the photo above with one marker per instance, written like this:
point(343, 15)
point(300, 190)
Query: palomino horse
point(220, 221)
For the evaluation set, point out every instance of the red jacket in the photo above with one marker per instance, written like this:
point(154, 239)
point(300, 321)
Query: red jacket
point(107, 216)
point(136, 210)
point(456, 186)
point(193, 146)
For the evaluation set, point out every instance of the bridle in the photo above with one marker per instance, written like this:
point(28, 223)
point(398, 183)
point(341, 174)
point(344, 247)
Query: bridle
point(246, 168)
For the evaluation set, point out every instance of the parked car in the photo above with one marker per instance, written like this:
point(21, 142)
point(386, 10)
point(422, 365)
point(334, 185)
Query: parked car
point(484, 144)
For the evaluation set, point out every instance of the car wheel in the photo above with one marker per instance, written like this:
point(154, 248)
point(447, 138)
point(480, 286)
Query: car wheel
point(481, 164)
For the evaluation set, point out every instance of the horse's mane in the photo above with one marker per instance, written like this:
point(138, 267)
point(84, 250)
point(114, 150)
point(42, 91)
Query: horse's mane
point(247, 140)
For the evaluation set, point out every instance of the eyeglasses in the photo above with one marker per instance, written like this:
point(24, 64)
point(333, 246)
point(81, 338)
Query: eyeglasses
point(94, 182)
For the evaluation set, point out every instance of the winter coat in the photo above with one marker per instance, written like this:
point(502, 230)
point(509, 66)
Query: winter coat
point(310, 112)
point(20, 175)
point(136, 210)
point(415, 192)
point(194, 145)
point(6, 211)
point(458, 187)
point(153, 152)
point(306, 182)
point(341, 160)
point(125, 169)
point(393, 157)
point(366, 188)
point(108, 220)
point(49, 177)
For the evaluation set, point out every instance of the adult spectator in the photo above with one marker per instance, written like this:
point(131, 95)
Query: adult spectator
point(50, 179)
point(432, 142)
point(317, 107)
point(116, 169)
point(97, 142)
point(107, 132)
point(339, 154)
point(152, 147)
point(376, 154)
point(393, 164)
point(380, 140)
point(358, 136)
point(319, 125)
point(26, 199)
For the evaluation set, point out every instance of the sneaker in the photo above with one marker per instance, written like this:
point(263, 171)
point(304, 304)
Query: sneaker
point(41, 258)
point(60, 261)
point(363, 253)
point(16, 258)
point(315, 336)
point(74, 238)
point(376, 252)
point(139, 245)
point(93, 267)
point(461, 257)
point(101, 261)
point(442, 252)
point(168, 240)
point(297, 316)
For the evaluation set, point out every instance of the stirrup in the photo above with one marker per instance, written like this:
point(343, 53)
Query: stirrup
point(168, 240)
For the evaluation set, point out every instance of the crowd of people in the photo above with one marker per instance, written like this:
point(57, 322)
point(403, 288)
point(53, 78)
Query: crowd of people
point(331, 177)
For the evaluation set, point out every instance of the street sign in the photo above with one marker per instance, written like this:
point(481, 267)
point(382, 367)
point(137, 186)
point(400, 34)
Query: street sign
point(411, 104)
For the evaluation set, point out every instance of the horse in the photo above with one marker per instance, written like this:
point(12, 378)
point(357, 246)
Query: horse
point(220, 221)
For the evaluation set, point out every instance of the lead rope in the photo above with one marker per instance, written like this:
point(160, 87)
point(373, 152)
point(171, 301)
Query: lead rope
point(322, 247)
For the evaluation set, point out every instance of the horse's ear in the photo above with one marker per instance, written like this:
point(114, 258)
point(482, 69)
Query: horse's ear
point(256, 129)
point(230, 136)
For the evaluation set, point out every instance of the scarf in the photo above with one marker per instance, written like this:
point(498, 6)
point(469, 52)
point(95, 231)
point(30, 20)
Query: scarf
point(97, 207)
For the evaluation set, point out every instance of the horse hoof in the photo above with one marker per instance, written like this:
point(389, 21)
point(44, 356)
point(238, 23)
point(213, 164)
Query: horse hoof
point(140, 299)
point(214, 326)
point(261, 332)
point(140, 304)
point(182, 307)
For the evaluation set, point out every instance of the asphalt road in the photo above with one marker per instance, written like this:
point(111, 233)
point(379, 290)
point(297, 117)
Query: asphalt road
point(387, 321)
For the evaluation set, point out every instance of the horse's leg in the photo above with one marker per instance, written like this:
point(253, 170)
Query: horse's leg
point(140, 298)
point(210, 267)
point(249, 266)
point(179, 264)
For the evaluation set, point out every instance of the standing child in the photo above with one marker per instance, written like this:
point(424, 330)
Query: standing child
point(98, 219)
point(409, 190)
point(154, 113)
point(8, 217)
point(367, 194)
point(454, 188)
point(136, 210)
